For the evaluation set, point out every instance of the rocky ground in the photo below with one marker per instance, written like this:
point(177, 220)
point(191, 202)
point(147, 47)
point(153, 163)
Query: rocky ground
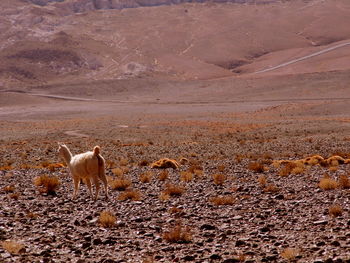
point(268, 218)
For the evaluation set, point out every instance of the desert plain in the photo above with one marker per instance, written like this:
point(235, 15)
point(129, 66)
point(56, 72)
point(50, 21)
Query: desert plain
point(240, 94)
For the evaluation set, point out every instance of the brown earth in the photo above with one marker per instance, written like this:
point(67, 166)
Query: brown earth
point(144, 92)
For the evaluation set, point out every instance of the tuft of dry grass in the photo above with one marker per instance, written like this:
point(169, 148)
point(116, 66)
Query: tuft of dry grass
point(271, 188)
point(178, 234)
point(107, 219)
point(175, 210)
point(327, 183)
point(219, 179)
point(186, 176)
point(292, 167)
point(146, 177)
point(120, 184)
point(262, 180)
point(335, 210)
point(130, 195)
point(344, 181)
point(173, 190)
point(14, 196)
point(118, 172)
point(13, 247)
point(48, 184)
point(9, 188)
point(290, 254)
point(163, 175)
point(223, 200)
point(256, 167)
point(143, 163)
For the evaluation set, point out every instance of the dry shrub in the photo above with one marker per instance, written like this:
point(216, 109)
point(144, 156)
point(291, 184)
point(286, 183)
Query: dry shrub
point(14, 196)
point(223, 200)
point(186, 176)
point(327, 183)
point(290, 254)
point(175, 210)
point(195, 167)
point(48, 184)
point(13, 247)
point(110, 164)
point(262, 180)
point(221, 168)
point(178, 234)
point(9, 188)
point(184, 161)
point(256, 167)
point(120, 184)
point(333, 169)
point(173, 190)
point(32, 215)
point(146, 177)
point(123, 162)
point(165, 163)
point(118, 172)
point(271, 188)
point(344, 181)
point(335, 210)
point(163, 196)
point(107, 219)
point(291, 167)
point(163, 175)
point(219, 179)
point(130, 195)
point(143, 163)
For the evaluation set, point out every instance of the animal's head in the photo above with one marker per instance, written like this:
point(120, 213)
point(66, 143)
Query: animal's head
point(61, 149)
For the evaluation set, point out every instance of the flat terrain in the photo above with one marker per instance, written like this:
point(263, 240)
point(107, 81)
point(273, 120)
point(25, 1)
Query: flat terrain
point(229, 91)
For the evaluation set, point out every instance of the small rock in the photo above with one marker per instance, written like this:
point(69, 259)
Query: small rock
point(208, 227)
point(240, 243)
point(335, 243)
point(321, 222)
point(231, 260)
point(215, 257)
point(189, 258)
point(97, 241)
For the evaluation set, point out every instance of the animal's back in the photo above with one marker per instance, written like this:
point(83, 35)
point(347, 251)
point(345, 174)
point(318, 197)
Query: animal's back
point(84, 164)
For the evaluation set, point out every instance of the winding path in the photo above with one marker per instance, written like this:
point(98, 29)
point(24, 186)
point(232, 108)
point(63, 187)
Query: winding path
point(303, 58)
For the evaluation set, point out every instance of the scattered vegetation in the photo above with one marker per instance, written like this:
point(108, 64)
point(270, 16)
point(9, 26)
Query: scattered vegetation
point(13, 247)
point(164, 175)
point(256, 167)
point(271, 188)
point(9, 188)
point(47, 184)
point(219, 179)
point(186, 176)
point(335, 210)
point(107, 219)
point(178, 234)
point(173, 190)
point(146, 177)
point(130, 195)
point(344, 181)
point(262, 180)
point(290, 254)
point(223, 200)
point(327, 183)
point(120, 184)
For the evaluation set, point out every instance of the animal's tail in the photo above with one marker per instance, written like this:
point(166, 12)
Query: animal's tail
point(99, 158)
point(97, 150)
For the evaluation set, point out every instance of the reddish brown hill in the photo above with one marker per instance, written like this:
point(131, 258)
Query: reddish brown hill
point(48, 43)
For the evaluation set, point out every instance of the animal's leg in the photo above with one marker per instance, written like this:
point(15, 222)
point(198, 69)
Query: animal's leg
point(104, 181)
point(76, 181)
point(97, 186)
point(88, 183)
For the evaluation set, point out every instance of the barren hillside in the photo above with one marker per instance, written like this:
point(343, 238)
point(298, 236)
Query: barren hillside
point(54, 42)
